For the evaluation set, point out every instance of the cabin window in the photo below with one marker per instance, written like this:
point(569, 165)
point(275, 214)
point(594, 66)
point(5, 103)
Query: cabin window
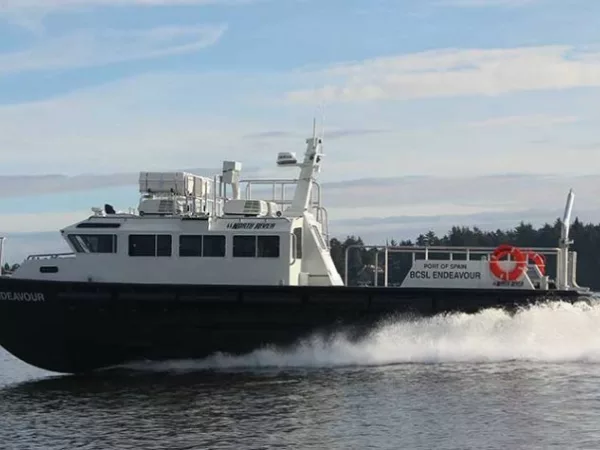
point(267, 246)
point(99, 225)
point(190, 245)
point(256, 246)
point(150, 245)
point(94, 243)
point(244, 246)
point(213, 246)
point(298, 235)
point(75, 241)
point(142, 245)
point(164, 244)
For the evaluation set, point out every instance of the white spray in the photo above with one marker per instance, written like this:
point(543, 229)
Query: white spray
point(555, 332)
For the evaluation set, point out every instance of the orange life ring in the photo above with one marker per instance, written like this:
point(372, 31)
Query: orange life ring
point(538, 260)
point(516, 255)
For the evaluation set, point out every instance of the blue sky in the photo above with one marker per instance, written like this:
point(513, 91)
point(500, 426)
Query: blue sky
point(466, 89)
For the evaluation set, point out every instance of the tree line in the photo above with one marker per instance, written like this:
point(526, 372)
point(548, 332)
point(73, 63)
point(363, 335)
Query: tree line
point(361, 262)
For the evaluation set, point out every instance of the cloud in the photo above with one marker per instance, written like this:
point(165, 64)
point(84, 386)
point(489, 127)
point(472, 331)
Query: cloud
point(22, 185)
point(345, 200)
point(35, 222)
point(20, 245)
point(89, 48)
point(166, 120)
point(274, 134)
point(451, 73)
point(7, 5)
point(535, 120)
point(441, 195)
point(334, 133)
point(16, 7)
point(485, 3)
point(376, 232)
point(337, 133)
point(154, 122)
point(12, 186)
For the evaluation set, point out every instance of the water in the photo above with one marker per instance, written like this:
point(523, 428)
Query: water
point(485, 381)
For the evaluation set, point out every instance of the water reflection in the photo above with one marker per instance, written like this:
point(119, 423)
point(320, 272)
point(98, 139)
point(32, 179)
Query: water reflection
point(130, 409)
point(509, 405)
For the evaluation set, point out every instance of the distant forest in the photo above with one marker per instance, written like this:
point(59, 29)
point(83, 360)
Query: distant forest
point(586, 243)
point(361, 262)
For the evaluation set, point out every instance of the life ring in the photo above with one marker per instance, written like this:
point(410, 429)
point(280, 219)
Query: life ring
point(538, 260)
point(517, 256)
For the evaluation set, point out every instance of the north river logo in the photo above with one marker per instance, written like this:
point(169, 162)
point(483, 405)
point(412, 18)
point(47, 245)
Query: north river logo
point(22, 296)
point(251, 226)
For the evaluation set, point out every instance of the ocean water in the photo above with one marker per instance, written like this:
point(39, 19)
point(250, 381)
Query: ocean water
point(483, 381)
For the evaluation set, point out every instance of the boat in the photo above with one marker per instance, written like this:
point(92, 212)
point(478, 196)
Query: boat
point(204, 266)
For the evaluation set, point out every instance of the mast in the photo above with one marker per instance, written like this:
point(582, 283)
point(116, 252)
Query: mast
point(1, 254)
point(308, 168)
point(563, 265)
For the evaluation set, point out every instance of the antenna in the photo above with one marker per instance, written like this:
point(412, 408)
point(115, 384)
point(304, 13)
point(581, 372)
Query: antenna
point(323, 120)
point(566, 225)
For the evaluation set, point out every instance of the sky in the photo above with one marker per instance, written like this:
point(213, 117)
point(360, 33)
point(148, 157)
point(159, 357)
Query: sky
point(434, 112)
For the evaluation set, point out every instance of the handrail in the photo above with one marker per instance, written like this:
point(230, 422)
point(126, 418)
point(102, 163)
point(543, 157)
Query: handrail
point(321, 213)
point(50, 255)
point(294, 249)
point(442, 249)
point(323, 218)
point(282, 182)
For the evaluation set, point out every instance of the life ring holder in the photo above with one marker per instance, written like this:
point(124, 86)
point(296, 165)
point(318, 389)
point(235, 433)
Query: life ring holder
point(516, 255)
point(539, 260)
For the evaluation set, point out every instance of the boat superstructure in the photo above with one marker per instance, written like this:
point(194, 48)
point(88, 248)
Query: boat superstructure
point(223, 264)
point(189, 229)
point(197, 230)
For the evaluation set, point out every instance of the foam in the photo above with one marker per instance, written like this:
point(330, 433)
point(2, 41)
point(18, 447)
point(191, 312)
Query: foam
point(554, 332)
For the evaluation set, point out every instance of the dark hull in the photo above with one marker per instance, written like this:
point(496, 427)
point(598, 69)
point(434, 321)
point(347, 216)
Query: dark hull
point(79, 327)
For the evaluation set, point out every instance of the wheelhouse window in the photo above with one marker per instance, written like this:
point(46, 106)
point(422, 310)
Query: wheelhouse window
point(164, 244)
point(190, 245)
point(202, 245)
point(267, 246)
point(256, 246)
point(213, 246)
point(244, 246)
point(94, 243)
point(150, 245)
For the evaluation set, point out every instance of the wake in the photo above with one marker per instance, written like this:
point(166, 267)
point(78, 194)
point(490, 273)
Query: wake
point(553, 332)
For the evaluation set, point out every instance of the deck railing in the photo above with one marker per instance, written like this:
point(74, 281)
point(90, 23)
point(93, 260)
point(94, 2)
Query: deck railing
point(449, 251)
point(278, 196)
point(51, 256)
